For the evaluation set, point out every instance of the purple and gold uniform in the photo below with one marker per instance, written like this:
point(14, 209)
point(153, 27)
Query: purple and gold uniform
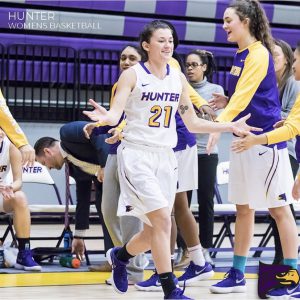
point(253, 89)
point(260, 177)
point(291, 126)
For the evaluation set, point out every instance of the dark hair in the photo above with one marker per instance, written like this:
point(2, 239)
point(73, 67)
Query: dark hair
point(207, 59)
point(135, 47)
point(258, 21)
point(289, 56)
point(42, 143)
point(148, 30)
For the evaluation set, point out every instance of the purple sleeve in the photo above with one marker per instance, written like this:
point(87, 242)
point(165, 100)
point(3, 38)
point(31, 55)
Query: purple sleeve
point(297, 148)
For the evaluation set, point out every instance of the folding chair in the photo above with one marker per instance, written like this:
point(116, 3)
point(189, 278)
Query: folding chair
point(225, 212)
point(38, 174)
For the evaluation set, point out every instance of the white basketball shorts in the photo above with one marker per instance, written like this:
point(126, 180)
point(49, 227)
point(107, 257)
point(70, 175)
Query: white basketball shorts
point(260, 177)
point(187, 169)
point(148, 179)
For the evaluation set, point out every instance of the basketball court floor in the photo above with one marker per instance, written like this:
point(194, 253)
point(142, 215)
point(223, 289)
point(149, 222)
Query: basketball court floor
point(56, 282)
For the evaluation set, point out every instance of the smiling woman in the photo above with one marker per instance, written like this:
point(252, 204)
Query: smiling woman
point(149, 136)
point(253, 89)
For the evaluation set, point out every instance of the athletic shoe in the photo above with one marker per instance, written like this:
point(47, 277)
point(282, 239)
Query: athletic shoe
point(295, 293)
point(287, 292)
point(152, 284)
point(207, 257)
point(194, 273)
point(233, 282)
point(26, 262)
point(177, 294)
point(119, 273)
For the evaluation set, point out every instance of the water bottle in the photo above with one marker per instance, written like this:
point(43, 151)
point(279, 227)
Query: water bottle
point(67, 240)
point(69, 262)
point(2, 262)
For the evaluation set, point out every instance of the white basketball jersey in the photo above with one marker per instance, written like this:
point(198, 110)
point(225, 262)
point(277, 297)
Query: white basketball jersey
point(151, 107)
point(4, 161)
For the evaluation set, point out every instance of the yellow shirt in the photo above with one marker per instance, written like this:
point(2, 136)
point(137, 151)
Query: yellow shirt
point(290, 128)
point(10, 126)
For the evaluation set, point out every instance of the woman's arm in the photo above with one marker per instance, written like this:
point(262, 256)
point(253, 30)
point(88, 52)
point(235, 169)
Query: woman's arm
point(197, 125)
point(16, 167)
point(289, 130)
point(126, 84)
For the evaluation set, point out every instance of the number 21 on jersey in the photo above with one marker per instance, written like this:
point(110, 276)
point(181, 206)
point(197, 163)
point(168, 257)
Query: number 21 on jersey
point(160, 115)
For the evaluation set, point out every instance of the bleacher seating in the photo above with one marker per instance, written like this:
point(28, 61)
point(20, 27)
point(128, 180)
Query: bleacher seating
point(56, 89)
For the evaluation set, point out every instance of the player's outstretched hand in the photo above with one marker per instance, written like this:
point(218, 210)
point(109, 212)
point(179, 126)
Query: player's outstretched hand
point(241, 128)
point(116, 135)
point(99, 114)
point(218, 101)
point(244, 143)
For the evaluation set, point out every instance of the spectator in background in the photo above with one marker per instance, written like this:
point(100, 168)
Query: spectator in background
point(288, 91)
point(260, 177)
point(200, 66)
point(146, 163)
point(13, 200)
point(86, 159)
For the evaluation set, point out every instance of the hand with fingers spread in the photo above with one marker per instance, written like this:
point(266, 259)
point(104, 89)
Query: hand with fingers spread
point(116, 136)
point(243, 144)
point(241, 128)
point(28, 155)
point(218, 101)
point(88, 129)
point(99, 114)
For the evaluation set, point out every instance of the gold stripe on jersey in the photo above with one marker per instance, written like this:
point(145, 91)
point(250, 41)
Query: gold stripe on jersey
point(291, 126)
point(10, 126)
point(255, 70)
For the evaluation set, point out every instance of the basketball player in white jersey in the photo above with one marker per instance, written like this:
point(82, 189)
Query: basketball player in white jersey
point(150, 94)
point(12, 199)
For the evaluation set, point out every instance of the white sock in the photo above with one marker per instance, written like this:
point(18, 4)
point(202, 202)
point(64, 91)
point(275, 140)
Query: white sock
point(196, 255)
